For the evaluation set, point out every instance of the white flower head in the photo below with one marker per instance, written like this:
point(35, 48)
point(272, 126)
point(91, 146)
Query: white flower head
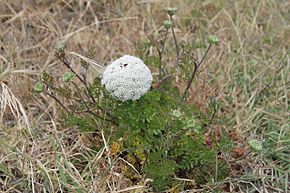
point(127, 78)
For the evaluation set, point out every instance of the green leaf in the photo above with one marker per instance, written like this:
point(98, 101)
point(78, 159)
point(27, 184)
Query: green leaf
point(67, 76)
point(256, 145)
point(38, 88)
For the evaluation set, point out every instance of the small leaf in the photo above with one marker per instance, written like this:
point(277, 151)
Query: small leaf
point(38, 88)
point(67, 76)
point(176, 114)
point(47, 79)
point(60, 47)
point(256, 145)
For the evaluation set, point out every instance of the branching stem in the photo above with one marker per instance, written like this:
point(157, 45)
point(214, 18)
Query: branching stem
point(58, 101)
point(196, 67)
point(83, 81)
point(88, 110)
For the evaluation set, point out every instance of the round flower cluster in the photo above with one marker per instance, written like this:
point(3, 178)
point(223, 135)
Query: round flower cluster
point(127, 78)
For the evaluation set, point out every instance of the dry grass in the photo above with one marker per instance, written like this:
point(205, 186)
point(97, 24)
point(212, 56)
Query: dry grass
point(248, 73)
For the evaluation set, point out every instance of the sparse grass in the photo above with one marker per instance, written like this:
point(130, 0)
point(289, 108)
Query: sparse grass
point(247, 74)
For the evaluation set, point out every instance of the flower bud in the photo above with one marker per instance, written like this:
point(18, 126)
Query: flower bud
point(167, 24)
point(212, 39)
point(171, 10)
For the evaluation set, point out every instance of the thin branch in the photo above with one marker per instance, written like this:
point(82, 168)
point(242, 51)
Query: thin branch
point(163, 46)
point(67, 64)
point(98, 116)
point(175, 42)
point(160, 53)
point(88, 110)
point(58, 101)
point(196, 67)
point(206, 52)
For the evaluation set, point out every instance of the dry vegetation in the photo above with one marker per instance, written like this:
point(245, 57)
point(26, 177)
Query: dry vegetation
point(248, 73)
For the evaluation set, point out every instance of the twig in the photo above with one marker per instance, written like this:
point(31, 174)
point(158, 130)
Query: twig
point(67, 64)
point(88, 110)
point(61, 57)
point(58, 101)
point(160, 53)
point(196, 67)
point(175, 42)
